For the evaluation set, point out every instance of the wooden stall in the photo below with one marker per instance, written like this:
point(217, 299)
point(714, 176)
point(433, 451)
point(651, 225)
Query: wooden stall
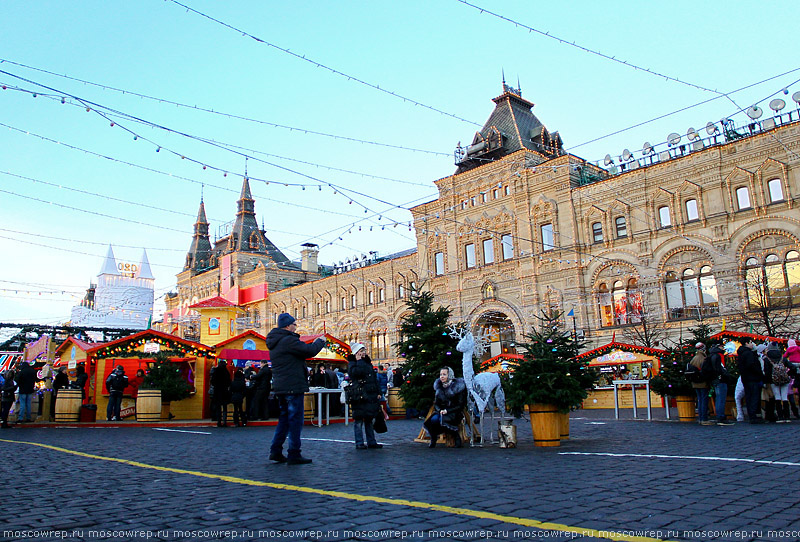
point(620, 361)
point(135, 352)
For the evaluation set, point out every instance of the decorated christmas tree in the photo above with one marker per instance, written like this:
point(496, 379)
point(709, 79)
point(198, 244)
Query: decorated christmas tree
point(166, 376)
point(426, 347)
point(549, 372)
point(671, 380)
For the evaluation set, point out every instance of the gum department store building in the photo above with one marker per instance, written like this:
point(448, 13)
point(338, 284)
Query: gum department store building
point(690, 232)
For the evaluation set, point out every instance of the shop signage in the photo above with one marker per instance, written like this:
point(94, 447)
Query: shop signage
point(615, 357)
point(152, 348)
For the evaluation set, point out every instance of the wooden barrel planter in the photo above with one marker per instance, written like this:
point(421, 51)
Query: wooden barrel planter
point(68, 406)
point(545, 424)
point(308, 403)
point(397, 406)
point(730, 407)
point(148, 406)
point(563, 425)
point(685, 405)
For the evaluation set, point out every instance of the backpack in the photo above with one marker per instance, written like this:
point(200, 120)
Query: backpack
point(780, 374)
point(693, 374)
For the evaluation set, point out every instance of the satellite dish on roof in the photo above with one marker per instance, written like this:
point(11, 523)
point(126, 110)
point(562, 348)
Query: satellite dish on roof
point(691, 133)
point(608, 160)
point(777, 104)
point(647, 148)
point(673, 139)
point(711, 128)
point(626, 155)
point(754, 112)
point(796, 97)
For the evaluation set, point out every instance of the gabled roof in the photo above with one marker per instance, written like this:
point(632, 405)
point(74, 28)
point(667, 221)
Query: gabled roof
point(150, 333)
point(614, 345)
point(249, 332)
point(83, 345)
point(214, 302)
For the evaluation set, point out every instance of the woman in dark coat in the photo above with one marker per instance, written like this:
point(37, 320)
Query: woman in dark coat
point(367, 407)
point(7, 397)
point(60, 382)
point(221, 380)
point(449, 402)
point(238, 391)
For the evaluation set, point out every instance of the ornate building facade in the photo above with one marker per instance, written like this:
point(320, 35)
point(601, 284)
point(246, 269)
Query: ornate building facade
point(705, 231)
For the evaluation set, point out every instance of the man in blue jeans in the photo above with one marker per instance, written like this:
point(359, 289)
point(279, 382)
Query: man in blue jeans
point(288, 355)
point(26, 379)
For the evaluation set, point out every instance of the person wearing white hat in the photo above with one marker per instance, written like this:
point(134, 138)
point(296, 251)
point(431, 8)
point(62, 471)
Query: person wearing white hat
point(364, 396)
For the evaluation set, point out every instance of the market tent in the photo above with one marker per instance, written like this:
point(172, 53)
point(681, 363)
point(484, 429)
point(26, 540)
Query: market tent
point(335, 351)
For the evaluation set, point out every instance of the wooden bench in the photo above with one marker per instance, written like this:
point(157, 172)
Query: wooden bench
point(447, 438)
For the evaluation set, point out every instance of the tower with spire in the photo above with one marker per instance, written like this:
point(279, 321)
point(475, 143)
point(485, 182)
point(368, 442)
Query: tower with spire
point(123, 296)
point(199, 256)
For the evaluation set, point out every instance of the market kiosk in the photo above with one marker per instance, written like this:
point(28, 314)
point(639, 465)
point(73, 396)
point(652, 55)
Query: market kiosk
point(619, 361)
point(334, 353)
point(135, 352)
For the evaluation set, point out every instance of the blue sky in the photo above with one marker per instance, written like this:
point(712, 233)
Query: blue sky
point(56, 216)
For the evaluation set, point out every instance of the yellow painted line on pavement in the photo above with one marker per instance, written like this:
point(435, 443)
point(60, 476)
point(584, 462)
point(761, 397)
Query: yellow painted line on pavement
point(623, 535)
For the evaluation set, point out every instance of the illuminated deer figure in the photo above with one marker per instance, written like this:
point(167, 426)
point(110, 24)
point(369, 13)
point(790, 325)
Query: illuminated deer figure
point(485, 390)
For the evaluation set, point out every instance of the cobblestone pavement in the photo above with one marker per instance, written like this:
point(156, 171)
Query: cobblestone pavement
point(629, 478)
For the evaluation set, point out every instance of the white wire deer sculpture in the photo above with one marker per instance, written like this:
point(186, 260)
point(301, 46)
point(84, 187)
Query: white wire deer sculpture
point(485, 390)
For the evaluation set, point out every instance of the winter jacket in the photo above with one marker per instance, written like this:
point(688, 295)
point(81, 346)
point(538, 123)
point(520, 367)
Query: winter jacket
point(716, 354)
point(60, 381)
point(221, 380)
point(453, 399)
point(698, 360)
point(116, 383)
point(748, 364)
point(363, 374)
point(288, 355)
point(8, 391)
point(383, 382)
point(793, 354)
point(26, 379)
point(238, 388)
point(263, 379)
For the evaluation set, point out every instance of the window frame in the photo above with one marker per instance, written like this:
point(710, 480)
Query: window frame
point(662, 215)
point(688, 209)
point(488, 255)
point(777, 182)
point(510, 254)
point(470, 261)
point(438, 263)
point(597, 232)
point(550, 230)
point(743, 190)
point(624, 227)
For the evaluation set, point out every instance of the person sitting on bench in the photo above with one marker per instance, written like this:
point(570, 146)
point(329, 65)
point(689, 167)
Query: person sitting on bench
point(449, 401)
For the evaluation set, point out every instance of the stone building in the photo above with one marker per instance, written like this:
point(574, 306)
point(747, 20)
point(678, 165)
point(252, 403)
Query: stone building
point(705, 231)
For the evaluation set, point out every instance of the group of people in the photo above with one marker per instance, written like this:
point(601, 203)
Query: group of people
point(767, 382)
point(247, 391)
point(20, 385)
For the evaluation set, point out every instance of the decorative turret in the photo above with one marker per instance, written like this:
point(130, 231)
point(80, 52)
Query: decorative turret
point(246, 236)
point(199, 255)
point(511, 126)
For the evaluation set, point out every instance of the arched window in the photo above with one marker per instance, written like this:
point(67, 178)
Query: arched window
point(622, 226)
point(597, 232)
point(691, 210)
point(743, 198)
point(621, 305)
point(775, 190)
point(606, 308)
point(775, 283)
point(692, 295)
point(664, 218)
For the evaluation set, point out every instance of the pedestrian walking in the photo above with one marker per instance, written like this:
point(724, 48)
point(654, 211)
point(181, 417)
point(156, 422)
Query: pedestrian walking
point(238, 391)
point(288, 355)
point(26, 380)
point(7, 396)
point(364, 393)
point(116, 383)
point(221, 381)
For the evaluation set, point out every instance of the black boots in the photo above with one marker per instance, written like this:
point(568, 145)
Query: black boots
point(457, 438)
point(434, 438)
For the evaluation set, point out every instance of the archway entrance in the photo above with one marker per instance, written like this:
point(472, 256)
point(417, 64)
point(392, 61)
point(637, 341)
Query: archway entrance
point(500, 332)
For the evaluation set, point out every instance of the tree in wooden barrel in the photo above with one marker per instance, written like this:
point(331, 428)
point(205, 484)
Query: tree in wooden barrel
point(549, 381)
point(166, 376)
point(671, 380)
point(426, 347)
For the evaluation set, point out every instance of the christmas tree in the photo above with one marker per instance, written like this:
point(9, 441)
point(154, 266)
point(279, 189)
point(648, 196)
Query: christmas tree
point(426, 347)
point(549, 372)
point(671, 379)
point(166, 376)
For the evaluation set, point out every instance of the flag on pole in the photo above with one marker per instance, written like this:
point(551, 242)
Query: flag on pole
point(150, 322)
point(571, 312)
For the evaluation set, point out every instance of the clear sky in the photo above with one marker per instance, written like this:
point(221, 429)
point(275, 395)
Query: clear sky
point(72, 183)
